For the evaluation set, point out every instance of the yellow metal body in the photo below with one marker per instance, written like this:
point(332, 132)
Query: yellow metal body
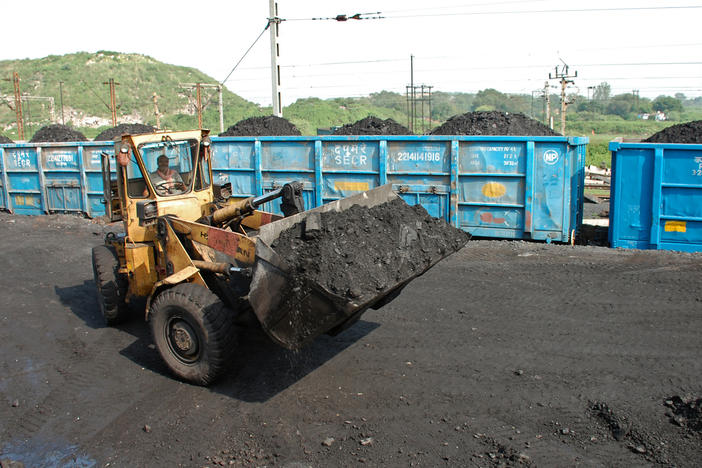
point(141, 267)
point(189, 206)
point(153, 260)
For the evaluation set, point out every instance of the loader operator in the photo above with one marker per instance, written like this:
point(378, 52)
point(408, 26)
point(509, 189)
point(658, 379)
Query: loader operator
point(166, 180)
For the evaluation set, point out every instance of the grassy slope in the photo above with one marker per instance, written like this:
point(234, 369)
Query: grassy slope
point(83, 75)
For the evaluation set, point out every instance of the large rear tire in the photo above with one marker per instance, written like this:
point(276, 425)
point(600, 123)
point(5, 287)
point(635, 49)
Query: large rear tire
point(111, 285)
point(193, 332)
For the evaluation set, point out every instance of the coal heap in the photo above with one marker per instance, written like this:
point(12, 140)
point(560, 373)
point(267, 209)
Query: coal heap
point(262, 126)
point(373, 126)
point(690, 132)
point(686, 412)
point(493, 123)
point(57, 133)
point(362, 251)
point(121, 129)
point(5, 140)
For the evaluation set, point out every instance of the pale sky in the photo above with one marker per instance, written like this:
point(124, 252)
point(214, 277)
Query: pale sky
point(458, 46)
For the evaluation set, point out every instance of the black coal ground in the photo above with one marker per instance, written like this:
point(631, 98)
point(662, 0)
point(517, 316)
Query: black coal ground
point(690, 132)
point(686, 412)
point(492, 357)
point(4, 140)
point(359, 252)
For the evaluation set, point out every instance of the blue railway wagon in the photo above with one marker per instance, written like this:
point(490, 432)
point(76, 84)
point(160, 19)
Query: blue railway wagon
point(656, 199)
point(41, 178)
point(490, 186)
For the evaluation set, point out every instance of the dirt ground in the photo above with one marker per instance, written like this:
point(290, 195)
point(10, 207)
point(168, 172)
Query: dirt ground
point(506, 353)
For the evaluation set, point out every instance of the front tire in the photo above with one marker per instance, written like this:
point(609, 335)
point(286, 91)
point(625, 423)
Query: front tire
point(193, 332)
point(111, 285)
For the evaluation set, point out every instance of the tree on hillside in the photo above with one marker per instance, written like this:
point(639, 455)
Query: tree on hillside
point(445, 105)
point(667, 104)
point(388, 99)
point(490, 99)
point(602, 91)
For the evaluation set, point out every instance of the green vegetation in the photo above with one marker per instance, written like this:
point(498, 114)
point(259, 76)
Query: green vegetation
point(82, 78)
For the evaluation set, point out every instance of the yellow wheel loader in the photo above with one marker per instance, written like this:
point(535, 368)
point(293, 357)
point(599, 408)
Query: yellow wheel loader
point(197, 257)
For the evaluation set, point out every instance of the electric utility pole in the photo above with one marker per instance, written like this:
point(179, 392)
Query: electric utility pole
point(411, 104)
point(274, 23)
point(198, 101)
point(61, 93)
point(547, 104)
point(18, 105)
point(157, 114)
point(565, 80)
point(113, 99)
point(221, 109)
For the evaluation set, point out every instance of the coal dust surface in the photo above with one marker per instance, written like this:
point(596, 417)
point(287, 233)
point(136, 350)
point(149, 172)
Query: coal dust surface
point(122, 129)
point(505, 353)
point(493, 123)
point(269, 125)
point(57, 133)
point(373, 126)
point(5, 140)
point(690, 132)
point(359, 252)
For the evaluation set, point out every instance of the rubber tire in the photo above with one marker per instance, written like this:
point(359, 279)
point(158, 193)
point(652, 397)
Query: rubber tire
point(211, 321)
point(111, 285)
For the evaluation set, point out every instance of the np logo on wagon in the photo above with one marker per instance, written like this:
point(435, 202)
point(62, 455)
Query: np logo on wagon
point(551, 157)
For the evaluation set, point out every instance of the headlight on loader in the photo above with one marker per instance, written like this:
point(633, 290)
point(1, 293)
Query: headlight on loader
point(147, 212)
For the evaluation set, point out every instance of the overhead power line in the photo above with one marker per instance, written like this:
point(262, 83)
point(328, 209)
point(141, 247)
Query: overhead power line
point(505, 67)
point(245, 53)
point(379, 14)
point(564, 10)
point(470, 5)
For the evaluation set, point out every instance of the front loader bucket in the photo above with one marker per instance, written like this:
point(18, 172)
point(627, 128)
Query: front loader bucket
point(294, 309)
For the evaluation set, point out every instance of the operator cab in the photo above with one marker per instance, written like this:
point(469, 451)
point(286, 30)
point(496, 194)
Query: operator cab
point(171, 167)
point(157, 167)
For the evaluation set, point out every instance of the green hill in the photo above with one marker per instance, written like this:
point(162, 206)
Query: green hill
point(82, 77)
point(86, 98)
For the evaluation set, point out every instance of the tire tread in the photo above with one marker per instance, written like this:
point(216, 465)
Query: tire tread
point(111, 286)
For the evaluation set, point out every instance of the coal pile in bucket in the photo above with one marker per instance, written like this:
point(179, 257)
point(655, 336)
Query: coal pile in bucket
point(373, 126)
point(121, 129)
point(360, 252)
point(5, 140)
point(690, 132)
point(270, 125)
point(493, 123)
point(57, 133)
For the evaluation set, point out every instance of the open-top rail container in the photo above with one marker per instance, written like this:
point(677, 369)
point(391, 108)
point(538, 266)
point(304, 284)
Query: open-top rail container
point(656, 196)
point(512, 187)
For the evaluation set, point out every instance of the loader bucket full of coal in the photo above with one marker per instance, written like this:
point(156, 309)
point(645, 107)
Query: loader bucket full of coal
point(316, 272)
